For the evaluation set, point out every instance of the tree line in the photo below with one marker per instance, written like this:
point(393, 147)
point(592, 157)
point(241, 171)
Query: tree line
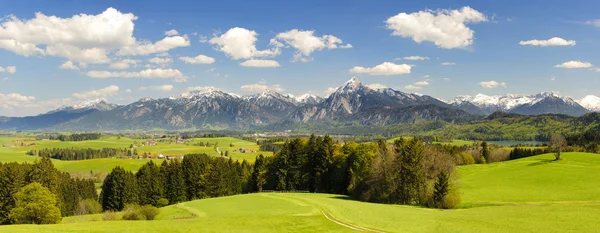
point(81, 154)
point(196, 176)
point(68, 191)
point(406, 172)
point(76, 137)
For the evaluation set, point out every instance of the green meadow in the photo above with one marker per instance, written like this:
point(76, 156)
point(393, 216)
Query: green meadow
point(15, 152)
point(534, 194)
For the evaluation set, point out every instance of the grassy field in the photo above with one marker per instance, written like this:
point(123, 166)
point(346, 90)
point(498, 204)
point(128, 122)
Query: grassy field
point(15, 152)
point(533, 194)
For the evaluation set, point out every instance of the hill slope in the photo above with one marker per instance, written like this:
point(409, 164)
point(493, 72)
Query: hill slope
point(519, 195)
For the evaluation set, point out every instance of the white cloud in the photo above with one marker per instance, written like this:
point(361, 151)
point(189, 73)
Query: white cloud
point(202, 88)
point(14, 101)
point(330, 90)
point(386, 68)
point(376, 86)
point(9, 69)
point(123, 64)
point(260, 63)
point(160, 61)
point(128, 90)
point(68, 65)
point(240, 43)
point(148, 73)
point(261, 87)
point(414, 58)
point(306, 43)
point(492, 84)
point(146, 47)
point(99, 93)
point(165, 88)
point(574, 65)
point(171, 32)
point(412, 87)
point(445, 28)
point(200, 59)
point(554, 41)
point(422, 83)
point(79, 38)
point(448, 63)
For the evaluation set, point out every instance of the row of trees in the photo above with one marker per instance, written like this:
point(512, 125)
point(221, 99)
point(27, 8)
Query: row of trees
point(407, 172)
point(76, 137)
point(67, 191)
point(196, 176)
point(81, 154)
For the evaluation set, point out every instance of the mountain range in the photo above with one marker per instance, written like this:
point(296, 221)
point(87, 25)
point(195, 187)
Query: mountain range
point(350, 104)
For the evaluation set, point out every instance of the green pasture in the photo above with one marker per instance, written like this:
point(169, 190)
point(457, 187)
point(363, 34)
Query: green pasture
point(533, 194)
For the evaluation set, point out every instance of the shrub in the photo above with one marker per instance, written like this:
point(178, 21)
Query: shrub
point(150, 212)
point(451, 200)
point(131, 212)
point(88, 206)
point(110, 216)
point(162, 202)
point(467, 159)
point(136, 212)
point(498, 155)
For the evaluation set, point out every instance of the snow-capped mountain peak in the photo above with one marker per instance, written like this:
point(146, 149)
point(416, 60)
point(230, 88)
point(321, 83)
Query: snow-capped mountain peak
point(590, 102)
point(350, 86)
point(97, 104)
point(309, 99)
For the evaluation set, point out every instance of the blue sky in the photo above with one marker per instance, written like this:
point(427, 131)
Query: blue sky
point(307, 46)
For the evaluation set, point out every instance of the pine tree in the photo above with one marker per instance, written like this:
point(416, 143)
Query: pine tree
point(149, 184)
point(485, 152)
point(119, 188)
point(259, 174)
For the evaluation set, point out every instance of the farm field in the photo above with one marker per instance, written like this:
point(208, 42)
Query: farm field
point(534, 194)
point(14, 152)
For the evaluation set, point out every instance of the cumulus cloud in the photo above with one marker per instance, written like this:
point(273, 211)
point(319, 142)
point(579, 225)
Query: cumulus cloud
point(200, 59)
point(377, 86)
point(414, 58)
point(330, 90)
point(240, 43)
point(261, 87)
point(160, 61)
point(260, 63)
point(448, 63)
point(171, 32)
point(554, 41)
point(14, 101)
point(165, 88)
point(68, 65)
point(305, 43)
point(446, 28)
point(148, 73)
point(386, 68)
point(147, 47)
point(99, 93)
point(123, 64)
point(9, 69)
point(574, 65)
point(422, 83)
point(128, 90)
point(79, 38)
point(492, 84)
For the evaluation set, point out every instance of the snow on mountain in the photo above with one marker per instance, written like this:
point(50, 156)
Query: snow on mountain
point(309, 99)
point(97, 104)
point(590, 102)
point(350, 86)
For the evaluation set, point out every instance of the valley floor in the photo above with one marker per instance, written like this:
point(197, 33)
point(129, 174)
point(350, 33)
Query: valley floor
point(527, 195)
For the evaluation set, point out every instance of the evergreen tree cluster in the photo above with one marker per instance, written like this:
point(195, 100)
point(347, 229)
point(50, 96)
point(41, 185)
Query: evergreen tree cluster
point(68, 191)
point(518, 153)
point(76, 137)
point(406, 172)
point(80, 154)
point(196, 176)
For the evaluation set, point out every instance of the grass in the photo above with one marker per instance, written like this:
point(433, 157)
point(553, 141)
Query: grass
point(14, 152)
point(533, 194)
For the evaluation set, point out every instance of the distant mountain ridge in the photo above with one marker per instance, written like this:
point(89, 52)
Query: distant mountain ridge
point(542, 103)
point(350, 104)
